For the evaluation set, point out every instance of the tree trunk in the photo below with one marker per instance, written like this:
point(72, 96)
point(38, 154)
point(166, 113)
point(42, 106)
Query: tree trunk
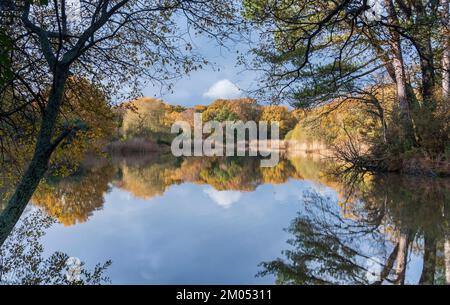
point(447, 259)
point(400, 74)
point(39, 163)
point(429, 261)
point(427, 70)
point(426, 59)
point(446, 51)
point(402, 256)
point(388, 266)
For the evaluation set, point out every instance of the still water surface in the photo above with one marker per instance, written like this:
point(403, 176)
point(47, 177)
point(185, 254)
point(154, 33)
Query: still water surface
point(164, 220)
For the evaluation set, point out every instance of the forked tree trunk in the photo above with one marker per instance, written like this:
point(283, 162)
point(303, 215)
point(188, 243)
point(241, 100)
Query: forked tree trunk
point(39, 162)
point(423, 44)
point(400, 74)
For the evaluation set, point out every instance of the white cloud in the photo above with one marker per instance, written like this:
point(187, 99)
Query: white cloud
point(223, 198)
point(223, 89)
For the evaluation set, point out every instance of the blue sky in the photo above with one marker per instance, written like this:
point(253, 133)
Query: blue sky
point(224, 79)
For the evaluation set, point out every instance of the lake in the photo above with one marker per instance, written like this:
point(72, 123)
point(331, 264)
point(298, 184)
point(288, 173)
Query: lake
point(197, 220)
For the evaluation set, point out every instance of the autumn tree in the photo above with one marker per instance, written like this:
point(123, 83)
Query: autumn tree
point(280, 115)
point(114, 44)
point(145, 117)
point(84, 105)
point(232, 110)
point(314, 52)
point(200, 108)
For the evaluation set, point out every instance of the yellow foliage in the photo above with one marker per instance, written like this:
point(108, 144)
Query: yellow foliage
point(279, 174)
point(72, 200)
point(281, 115)
point(144, 116)
point(243, 109)
point(84, 103)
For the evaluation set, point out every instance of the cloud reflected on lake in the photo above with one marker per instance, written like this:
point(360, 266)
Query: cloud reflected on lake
point(223, 198)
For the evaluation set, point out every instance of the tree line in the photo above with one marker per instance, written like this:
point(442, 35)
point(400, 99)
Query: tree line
point(310, 53)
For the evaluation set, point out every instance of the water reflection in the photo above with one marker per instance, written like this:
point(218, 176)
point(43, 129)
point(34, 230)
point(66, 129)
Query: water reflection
point(386, 229)
point(73, 199)
point(372, 236)
point(152, 178)
point(22, 260)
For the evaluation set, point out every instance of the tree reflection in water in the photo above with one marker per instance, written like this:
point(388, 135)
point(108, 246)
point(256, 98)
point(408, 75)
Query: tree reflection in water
point(371, 236)
point(367, 235)
point(22, 261)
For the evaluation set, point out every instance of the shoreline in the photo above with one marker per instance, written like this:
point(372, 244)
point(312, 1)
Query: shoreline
point(414, 166)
